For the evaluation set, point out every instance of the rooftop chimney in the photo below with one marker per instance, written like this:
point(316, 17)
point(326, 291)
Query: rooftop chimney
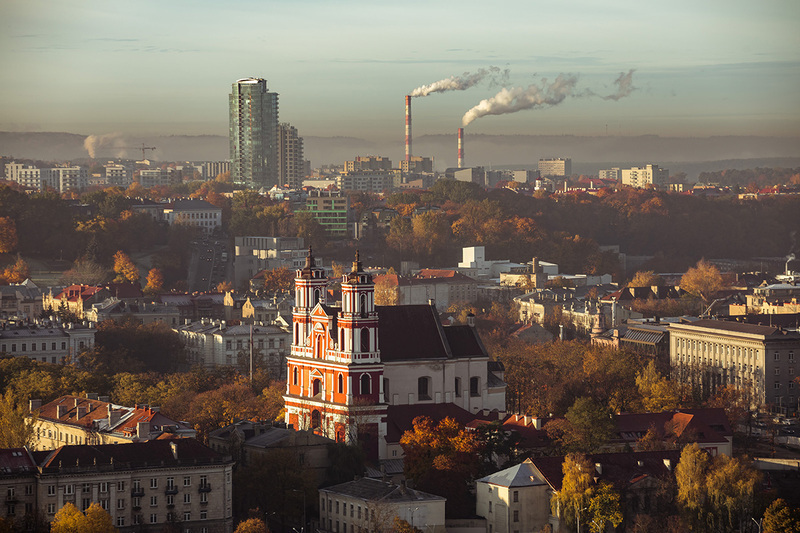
point(460, 147)
point(34, 405)
point(113, 417)
point(142, 430)
point(408, 129)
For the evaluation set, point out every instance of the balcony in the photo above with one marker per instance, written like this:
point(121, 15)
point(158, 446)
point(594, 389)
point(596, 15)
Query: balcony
point(171, 490)
point(137, 492)
point(170, 506)
point(137, 508)
point(205, 487)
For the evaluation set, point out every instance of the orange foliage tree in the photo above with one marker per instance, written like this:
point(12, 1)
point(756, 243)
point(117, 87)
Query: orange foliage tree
point(8, 235)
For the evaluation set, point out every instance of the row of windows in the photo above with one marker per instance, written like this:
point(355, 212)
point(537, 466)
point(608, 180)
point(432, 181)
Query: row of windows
point(41, 346)
point(424, 387)
point(240, 344)
point(364, 383)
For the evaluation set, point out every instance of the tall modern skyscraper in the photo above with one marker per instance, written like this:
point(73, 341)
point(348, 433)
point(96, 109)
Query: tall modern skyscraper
point(253, 133)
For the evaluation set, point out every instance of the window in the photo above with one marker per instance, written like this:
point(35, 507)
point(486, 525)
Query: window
point(120, 486)
point(153, 518)
point(69, 489)
point(474, 386)
point(137, 501)
point(337, 506)
point(516, 496)
point(457, 387)
point(153, 501)
point(51, 490)
point(203, 481)
point(153, 482)
point(777, 371)
point(187, 481)
point(120, 504)
point(137, 519)
point(170, 482)
point(228, 345)
point(104, 486)
point(187, 516)
point(203, 497)
point(365, 384)
point(104, 503)
point(365, 344)
point(777, 356)
point(51, 508)
point(791, 356)
point(187, 497)
point(294, 376)
point(516, 516)
point(490, 507)
point(120, 521)
point(352, 510)
point(791, 384)
point(203, 515)
point(137, 485)
point(85, 503)
point(777, 385)
point(340, 384)
point(423, 388)
point(170, 499)
point(87, 487)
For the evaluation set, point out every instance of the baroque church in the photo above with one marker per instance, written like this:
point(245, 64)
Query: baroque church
point(361, 372)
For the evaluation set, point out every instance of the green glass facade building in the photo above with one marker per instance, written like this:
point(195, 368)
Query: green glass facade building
point(253, 134)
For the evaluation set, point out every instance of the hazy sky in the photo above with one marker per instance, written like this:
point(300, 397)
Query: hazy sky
point(702, 67)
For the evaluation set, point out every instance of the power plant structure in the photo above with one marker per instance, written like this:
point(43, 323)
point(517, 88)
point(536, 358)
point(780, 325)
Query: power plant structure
point(408, 128)
point(460, 147)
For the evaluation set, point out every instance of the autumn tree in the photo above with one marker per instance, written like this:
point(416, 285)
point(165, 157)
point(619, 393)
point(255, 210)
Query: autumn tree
point(16, 426)
point(402, 526)
point(124, 268)
point(8, 235)
point(703, 280)
point(155, 282)
point(604, 508)
point(17, 272)
point(69, 519)
point(781, 518)
point(646, 278)
point(658, 393)
point(85, 272)
point(569, 502)
point(252, 525)
point(224, 286)
point(278, 279)
point(442, 459)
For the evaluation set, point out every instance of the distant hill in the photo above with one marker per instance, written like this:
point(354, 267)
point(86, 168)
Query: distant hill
point(589, 154)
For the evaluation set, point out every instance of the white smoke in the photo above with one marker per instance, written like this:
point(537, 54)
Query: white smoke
point(114, 141)
point(462, 83)
point(519, 98)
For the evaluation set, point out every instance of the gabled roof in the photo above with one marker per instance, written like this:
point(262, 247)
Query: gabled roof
point(410, 332)
point(15, 461)
point(708, 425)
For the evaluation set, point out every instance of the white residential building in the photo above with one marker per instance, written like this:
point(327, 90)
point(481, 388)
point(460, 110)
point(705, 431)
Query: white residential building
point(198, 213)
point(641, 177)
point(558, 166)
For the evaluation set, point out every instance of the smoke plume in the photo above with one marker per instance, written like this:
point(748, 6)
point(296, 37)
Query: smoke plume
point(519, 98)
point(114, 141)
point(496, 75)
point(624, 87)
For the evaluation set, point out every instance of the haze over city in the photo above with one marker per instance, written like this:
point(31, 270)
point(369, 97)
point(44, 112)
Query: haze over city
point(343, 68)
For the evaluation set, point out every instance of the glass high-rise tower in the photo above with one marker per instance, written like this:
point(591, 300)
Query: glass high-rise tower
point(253, 133)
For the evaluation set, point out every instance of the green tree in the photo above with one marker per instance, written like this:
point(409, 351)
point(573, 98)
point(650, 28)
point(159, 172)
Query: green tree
point(604, 508)
point(586, 426)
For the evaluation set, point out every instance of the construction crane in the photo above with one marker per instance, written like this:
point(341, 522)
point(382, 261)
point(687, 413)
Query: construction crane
point(142, 148)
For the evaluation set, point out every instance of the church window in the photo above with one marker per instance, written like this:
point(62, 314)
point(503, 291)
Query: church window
point(341, 339)
point(316, 387)
point(365, 339)
point(424, 388)
point(474, 386)
point(340, 385)
point(363, 305)
point(458, 387)
point(316, 419)
point(316, 296)
point(294, 376)
point(366, 384)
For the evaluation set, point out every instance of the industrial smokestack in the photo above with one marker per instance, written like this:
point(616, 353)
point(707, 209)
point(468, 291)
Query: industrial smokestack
point(460, 147)
point(408, 129)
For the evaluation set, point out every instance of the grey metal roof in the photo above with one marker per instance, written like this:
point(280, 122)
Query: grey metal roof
point(521, 475)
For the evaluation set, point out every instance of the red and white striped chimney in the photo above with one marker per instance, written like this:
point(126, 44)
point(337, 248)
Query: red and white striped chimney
point(460, 147)
point(408, 128)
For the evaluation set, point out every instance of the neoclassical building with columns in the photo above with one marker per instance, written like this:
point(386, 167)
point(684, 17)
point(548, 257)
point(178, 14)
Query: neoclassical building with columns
point(350, 365)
